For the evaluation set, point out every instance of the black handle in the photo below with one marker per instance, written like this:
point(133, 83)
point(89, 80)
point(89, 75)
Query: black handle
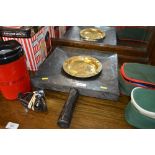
point(67, 111)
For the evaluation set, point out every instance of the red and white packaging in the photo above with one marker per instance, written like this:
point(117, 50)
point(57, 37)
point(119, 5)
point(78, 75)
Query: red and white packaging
point(36, 47)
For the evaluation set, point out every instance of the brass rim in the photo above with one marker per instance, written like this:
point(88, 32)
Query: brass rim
point(82, 66)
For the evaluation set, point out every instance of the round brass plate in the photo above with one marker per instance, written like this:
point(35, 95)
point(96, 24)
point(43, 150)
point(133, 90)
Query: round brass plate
point(82, 66)
point(92, 34)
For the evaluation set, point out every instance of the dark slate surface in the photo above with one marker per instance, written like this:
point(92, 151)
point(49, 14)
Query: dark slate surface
point(74, 34)
point(96, 86)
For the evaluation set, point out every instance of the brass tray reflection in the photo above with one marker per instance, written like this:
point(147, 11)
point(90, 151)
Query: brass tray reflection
point(92, 34)
point(82, 66)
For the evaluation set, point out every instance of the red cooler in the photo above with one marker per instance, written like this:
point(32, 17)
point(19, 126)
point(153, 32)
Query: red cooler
point(14, 77)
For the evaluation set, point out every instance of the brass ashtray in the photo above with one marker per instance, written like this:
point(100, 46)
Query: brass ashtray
point(92, 34)
point(82, 66)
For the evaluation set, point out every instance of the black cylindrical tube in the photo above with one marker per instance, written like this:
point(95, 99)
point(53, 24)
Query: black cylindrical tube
point(68, 108)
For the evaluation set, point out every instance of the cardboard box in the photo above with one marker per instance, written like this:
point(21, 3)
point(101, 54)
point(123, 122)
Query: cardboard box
point(36, 42)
